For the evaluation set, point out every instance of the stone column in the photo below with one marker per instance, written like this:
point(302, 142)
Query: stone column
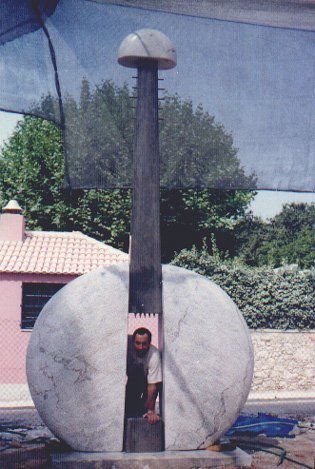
point(145, 288)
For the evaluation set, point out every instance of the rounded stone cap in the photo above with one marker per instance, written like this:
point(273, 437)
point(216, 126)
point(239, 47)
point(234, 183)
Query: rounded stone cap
point(141, 48)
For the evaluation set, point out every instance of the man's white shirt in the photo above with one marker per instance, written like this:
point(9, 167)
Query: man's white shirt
point(151, 363)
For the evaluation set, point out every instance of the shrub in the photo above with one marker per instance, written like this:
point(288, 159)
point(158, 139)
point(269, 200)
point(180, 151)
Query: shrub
point(266, 298)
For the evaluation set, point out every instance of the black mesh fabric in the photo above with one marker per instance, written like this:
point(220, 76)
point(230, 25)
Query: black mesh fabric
point(255, 81)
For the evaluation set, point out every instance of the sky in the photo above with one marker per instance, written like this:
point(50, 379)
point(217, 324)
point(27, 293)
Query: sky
point(265, 205)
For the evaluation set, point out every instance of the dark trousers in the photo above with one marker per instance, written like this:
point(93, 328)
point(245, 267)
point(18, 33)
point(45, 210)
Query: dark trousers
point(136, 395)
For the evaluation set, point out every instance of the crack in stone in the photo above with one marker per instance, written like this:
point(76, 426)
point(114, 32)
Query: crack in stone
point(84, 373)
point(202, 444)
point(180, 322)
point(77, 364)
point(45, 392)
point(70, 364)
point(221, 412)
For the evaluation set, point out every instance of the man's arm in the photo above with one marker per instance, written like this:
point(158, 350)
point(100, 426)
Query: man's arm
point(153, 389)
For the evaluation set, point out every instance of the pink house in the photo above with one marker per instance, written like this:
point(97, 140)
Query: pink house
point(33, 266)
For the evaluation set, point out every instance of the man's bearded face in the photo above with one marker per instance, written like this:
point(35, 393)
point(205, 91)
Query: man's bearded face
point(141, 344)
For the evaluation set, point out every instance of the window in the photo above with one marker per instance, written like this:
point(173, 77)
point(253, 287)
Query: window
point(34, 298)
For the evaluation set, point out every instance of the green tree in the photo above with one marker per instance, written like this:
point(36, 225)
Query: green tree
point(294, 230)
point(294, 218)
point(31, 170)
point(194, 217)
point(287, 238)
point(196, 151)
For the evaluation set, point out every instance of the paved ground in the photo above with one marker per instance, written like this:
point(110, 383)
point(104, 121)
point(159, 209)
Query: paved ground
point(300, 450)
point(268, 453)
point(17, 416)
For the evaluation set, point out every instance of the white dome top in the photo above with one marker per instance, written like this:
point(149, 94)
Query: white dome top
point(144, 46)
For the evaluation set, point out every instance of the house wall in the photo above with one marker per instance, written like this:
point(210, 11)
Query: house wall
point(13, 340)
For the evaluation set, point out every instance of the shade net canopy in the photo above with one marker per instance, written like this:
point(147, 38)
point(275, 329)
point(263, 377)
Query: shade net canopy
point(237, 111)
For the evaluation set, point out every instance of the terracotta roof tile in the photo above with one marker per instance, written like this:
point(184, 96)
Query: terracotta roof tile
point(57, 253)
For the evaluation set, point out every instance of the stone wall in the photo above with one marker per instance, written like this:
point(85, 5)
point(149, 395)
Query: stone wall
point(284, 364)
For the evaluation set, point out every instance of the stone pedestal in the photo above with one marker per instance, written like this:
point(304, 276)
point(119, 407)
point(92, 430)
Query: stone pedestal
point(142, 437)
point(165, 460)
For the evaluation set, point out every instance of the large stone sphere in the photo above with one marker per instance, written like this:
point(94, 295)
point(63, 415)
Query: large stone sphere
point(76, 360)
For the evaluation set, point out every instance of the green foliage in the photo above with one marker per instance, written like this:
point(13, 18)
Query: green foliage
point(287, 238)
point(31, 170)
point(190, 217)
point(99, 135)
point(293, 218)
point(196, 151)
point(267, 299)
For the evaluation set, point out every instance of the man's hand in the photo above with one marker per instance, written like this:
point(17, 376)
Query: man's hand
point(152, 417)
point(150, 403)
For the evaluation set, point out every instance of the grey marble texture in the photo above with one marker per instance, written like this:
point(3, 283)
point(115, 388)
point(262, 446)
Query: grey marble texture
point(76, 360)
point(208, 360)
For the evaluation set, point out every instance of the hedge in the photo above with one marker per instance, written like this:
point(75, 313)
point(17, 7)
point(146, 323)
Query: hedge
point(267, 299)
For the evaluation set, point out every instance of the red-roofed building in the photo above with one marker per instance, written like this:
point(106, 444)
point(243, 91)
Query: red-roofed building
point(33, 266)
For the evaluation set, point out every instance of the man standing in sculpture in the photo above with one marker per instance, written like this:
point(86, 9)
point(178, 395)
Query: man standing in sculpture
point(144, 373)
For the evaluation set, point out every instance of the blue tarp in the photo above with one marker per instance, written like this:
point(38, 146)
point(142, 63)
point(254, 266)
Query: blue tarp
point(268, 425)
